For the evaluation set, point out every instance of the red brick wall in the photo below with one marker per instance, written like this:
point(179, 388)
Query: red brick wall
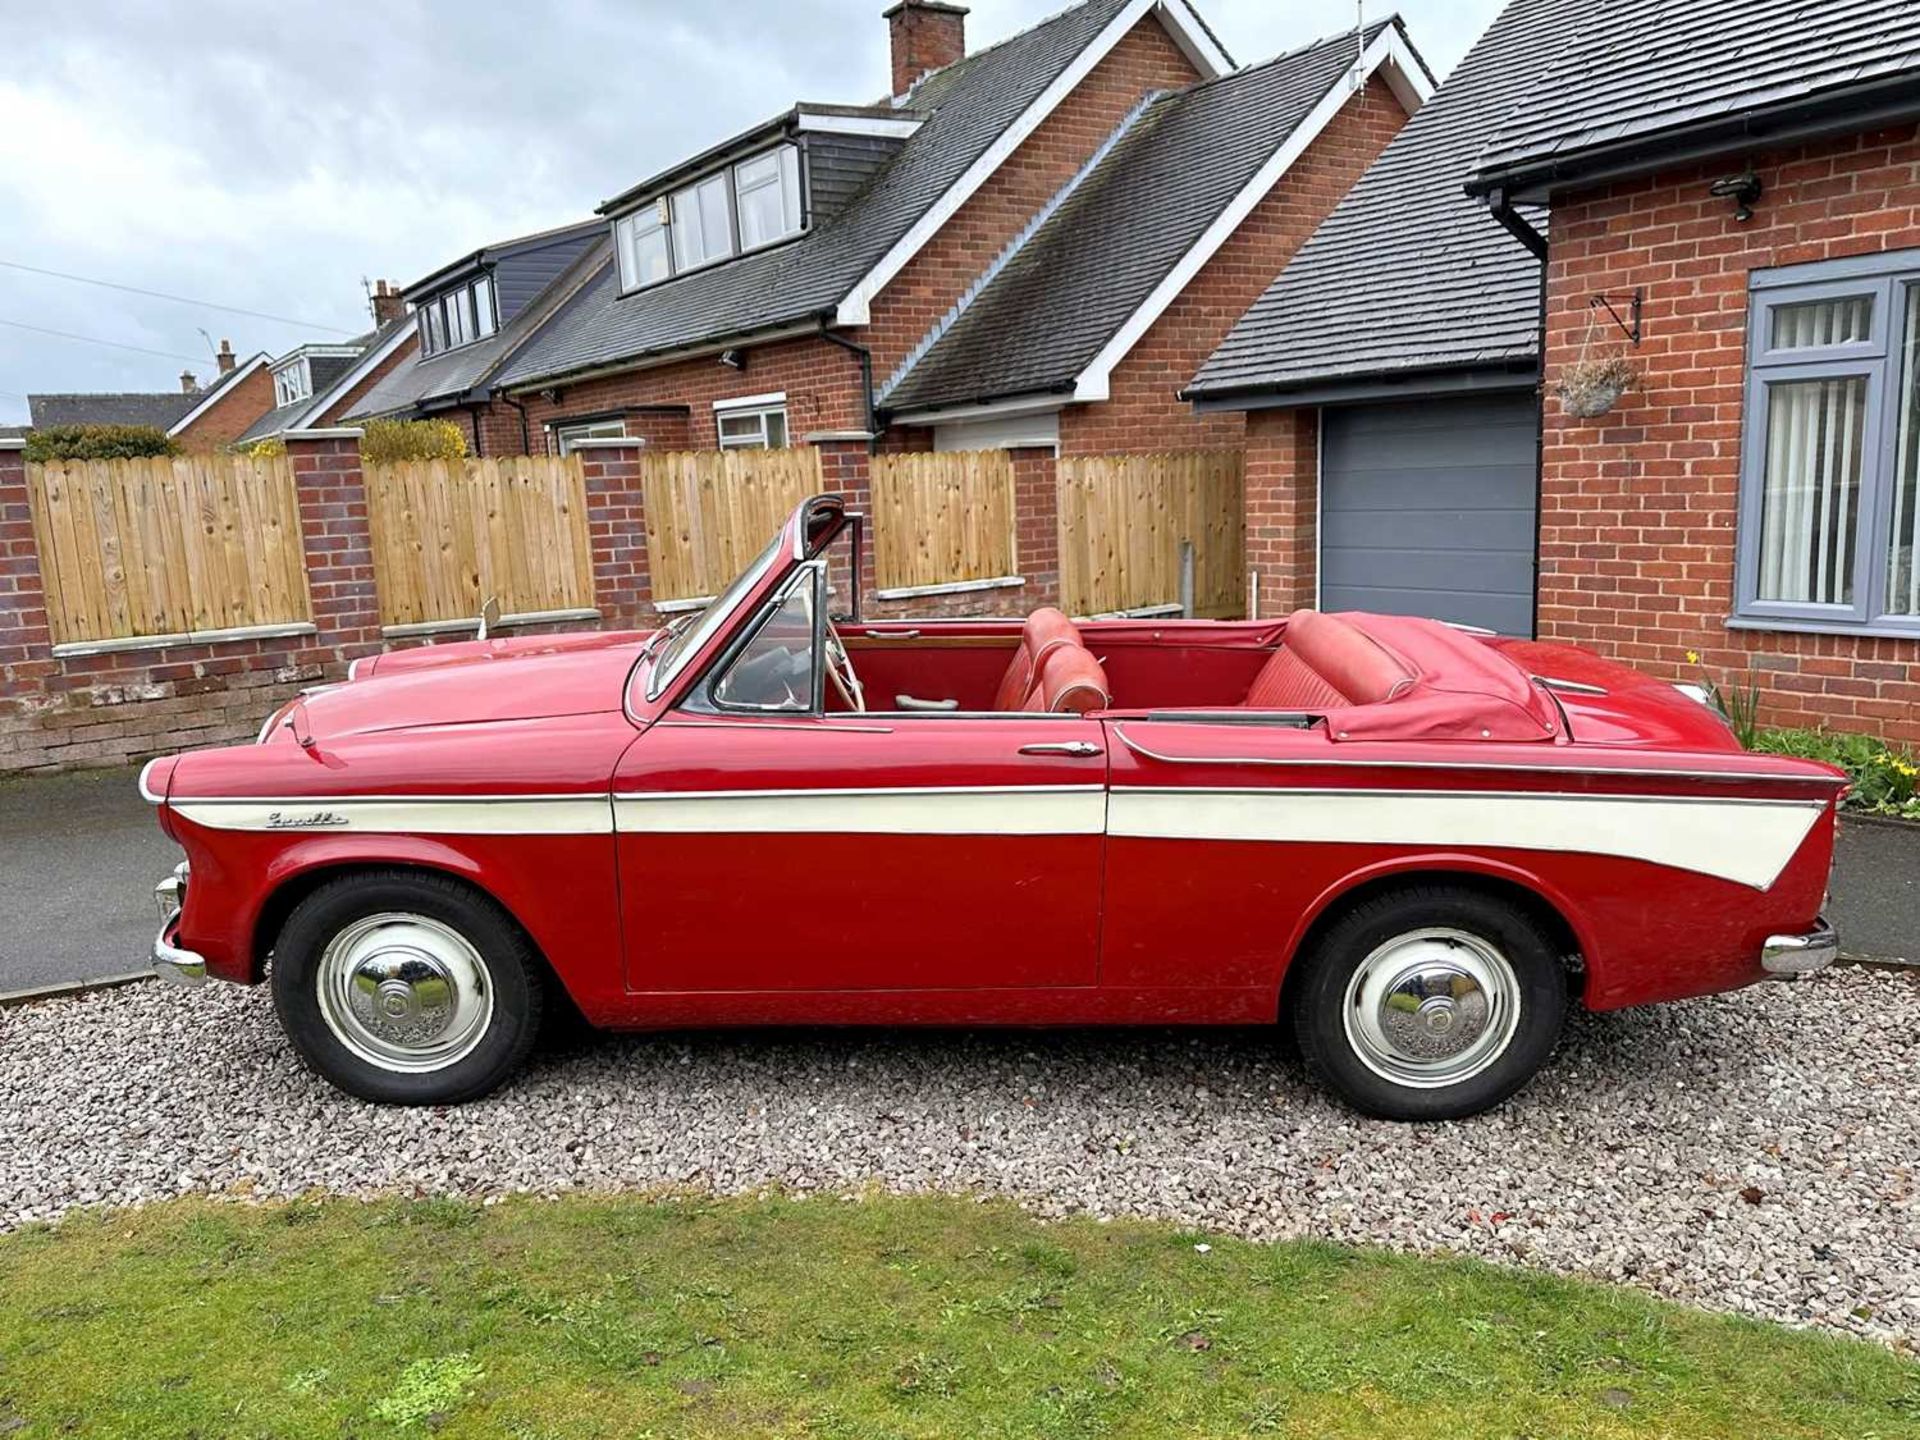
point(821, 381)
point(231, 414)
point(1638, 508)
point(1283, 536)
point(914, 301)
point(1145, 411)
point(78, 710)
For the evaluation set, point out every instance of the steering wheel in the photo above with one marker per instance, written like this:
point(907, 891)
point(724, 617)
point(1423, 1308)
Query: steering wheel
point(840, 670)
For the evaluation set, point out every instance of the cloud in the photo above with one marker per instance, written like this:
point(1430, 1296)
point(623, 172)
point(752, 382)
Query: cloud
point(273, 156)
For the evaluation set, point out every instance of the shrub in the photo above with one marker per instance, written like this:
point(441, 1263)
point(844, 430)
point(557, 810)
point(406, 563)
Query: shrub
point(265, 449)
point(1884, 778)
point(386, 442)
point(98, 442)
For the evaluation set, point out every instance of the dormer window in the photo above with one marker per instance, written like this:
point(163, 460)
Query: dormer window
point(752, 203)
point(459, 317)
point(293, 384)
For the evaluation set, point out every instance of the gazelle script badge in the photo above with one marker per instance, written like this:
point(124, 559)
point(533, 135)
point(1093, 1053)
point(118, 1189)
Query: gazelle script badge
point(305, 820)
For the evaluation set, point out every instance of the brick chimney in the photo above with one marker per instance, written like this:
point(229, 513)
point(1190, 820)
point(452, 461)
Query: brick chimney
point(225, 359)
point(387, 304)
point(188, 384)
point(927, 35)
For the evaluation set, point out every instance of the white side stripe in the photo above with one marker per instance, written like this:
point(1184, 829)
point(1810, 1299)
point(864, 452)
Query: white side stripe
point(503, 815)
point(1013, 810)
point(1746, 841)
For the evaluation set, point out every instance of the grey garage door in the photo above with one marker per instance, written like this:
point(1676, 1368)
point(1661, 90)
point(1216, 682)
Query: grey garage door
point(1428, 509)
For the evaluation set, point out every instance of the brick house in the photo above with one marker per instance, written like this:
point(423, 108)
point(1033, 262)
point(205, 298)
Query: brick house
point(1728, 197)
point(786, 286)
point(314, 385)
point(469, 317)
point(196, 416)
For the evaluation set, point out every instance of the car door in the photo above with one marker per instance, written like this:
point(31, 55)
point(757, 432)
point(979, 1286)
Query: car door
point(765, 845)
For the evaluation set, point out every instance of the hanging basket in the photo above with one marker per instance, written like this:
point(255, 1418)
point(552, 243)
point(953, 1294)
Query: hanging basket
point(1589, 388)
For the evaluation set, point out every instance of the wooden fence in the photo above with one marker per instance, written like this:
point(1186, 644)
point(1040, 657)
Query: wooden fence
point(449, 535)
point(1123, 521)
point(710, 512)
point(148, 547)
point(943, 518)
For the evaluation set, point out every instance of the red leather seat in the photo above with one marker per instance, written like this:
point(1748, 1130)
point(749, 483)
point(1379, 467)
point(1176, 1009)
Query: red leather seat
point(1072, 681)
point(1326, 663)
point(1046, 630)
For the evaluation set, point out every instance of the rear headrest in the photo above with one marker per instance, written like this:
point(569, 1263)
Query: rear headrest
point(1047, 628)
point(1071, 680)
point(1351, 661)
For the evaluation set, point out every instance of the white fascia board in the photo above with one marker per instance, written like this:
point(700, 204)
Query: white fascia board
point(218, 392)
point(995, 410)
point(370, 360)
point(811, 122)
point(1094, 384)
point(857, 308)
point(752, 402)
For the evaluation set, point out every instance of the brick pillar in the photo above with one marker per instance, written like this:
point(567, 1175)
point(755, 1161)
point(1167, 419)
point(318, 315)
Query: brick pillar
point(25, 653)
point(617, 530)
point(846, 470)
point(336, 539)
point(1283, 526)
point(1036, 522)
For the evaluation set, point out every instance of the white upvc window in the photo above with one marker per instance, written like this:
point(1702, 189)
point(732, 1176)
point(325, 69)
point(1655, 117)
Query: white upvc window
point(565, 437)
point(1830, 473)
point(757, 201)
point(292, 384)
point(754, 422)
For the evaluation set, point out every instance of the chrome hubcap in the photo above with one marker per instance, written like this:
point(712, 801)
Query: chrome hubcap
point(405, 992)
point(1432, 1008)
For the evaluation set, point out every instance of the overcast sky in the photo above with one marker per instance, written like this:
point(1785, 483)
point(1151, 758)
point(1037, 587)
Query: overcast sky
point(270, 156)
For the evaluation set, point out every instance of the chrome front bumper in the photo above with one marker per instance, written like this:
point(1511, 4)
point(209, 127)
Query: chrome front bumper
point(1793, 955)
point(183, 967)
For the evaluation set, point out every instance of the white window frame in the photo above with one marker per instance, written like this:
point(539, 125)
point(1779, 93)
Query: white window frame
point(1892, 282)
point(761, 408)
point(566, 432)
point(662, 214)
point(292, 384)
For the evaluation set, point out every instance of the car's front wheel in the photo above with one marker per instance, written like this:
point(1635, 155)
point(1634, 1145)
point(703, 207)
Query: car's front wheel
point(1431, 1003)
point(406, 988)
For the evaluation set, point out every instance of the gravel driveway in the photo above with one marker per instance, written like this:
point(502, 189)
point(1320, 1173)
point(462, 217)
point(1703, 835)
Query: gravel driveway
point(1754, 1152)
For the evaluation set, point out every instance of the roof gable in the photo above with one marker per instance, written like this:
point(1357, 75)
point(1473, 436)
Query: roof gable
point(1071, 301)
point(831, 272)
point(1409, 273)
point(217, 392)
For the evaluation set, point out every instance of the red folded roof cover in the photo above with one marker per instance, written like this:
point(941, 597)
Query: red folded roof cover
point(1462, 689)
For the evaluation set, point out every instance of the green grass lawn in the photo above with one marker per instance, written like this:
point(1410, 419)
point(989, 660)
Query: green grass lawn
point(628, 1317)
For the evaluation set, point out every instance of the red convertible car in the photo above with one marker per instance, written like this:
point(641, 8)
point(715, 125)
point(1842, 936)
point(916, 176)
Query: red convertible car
point(1416, 845)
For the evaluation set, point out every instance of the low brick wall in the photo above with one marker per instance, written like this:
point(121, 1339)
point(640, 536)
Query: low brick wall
point(77, 707)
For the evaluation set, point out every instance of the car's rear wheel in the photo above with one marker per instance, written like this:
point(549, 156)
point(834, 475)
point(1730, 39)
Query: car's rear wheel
point(1430, 1003)
point(406, 988)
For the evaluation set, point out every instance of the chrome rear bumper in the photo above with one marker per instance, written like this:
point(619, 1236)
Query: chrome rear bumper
point(182, 967)
point(1791, 955)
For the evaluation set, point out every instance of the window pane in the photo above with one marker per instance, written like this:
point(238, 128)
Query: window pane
point(483, 305)
point(459, 318)
point(1809, 506)
point(1903, 560)
point(776, 421)
point(767, 188)
point(702, 230)
point(568, 435)
point(643, 249)
point(1818, 323)
point(743, 431)
point(775, 671)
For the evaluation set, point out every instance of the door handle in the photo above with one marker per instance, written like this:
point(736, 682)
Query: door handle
point(890, 634)
point(1080, 748)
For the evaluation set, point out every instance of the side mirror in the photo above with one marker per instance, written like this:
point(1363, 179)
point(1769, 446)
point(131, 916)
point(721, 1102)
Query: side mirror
point(489, 616)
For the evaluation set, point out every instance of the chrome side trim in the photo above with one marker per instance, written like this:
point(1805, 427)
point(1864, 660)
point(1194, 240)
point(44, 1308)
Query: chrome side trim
point(146, 791)
point(1571, 687)
point(1333, 762)
point(1794, 955)
point(859, 793)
